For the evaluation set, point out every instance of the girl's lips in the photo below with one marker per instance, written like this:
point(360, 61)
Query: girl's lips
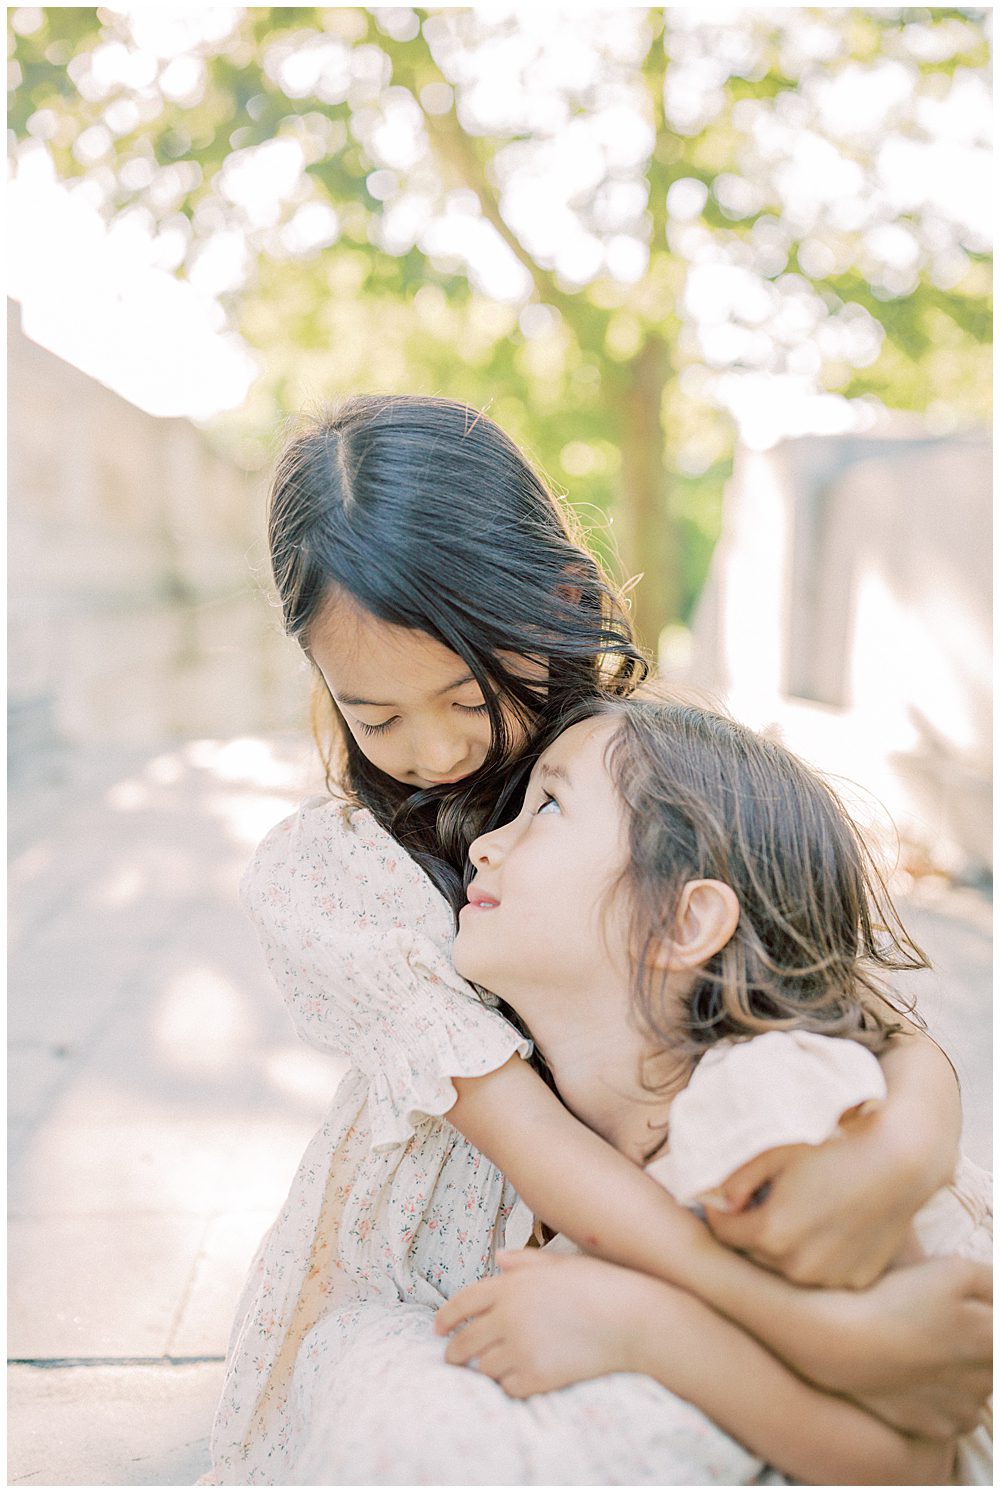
point(481, 904)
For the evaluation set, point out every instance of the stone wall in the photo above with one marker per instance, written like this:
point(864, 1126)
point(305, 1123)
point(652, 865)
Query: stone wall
point(137, 568)
point(848, 605)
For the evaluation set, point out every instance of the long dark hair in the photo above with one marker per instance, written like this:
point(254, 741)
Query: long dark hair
point(427, 516)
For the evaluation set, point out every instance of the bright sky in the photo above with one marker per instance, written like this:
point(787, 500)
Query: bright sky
point(103, 297)
point(95, 296)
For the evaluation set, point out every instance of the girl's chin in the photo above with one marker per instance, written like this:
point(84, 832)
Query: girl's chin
point(465, 968)
point(469, 967)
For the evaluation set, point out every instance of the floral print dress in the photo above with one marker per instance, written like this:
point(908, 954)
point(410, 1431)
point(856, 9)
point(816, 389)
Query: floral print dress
point(334, 1374)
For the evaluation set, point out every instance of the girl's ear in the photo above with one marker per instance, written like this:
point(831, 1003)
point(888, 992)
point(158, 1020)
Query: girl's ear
point(707, 915)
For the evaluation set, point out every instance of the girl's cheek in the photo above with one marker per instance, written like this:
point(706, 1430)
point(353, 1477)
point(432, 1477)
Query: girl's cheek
point(375, 751)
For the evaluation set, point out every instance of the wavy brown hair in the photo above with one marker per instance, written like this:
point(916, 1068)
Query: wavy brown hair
point(429, 517)
point(817, 935)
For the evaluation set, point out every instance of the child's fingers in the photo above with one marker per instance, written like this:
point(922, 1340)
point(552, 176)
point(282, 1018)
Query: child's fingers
point(473, 1341)
point(738, 1230)
point(742, 1190)
point(495, 1362)
point(517, 1385)
point(465, 1304)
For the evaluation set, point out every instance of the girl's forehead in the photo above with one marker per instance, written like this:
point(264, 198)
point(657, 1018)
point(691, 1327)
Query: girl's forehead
point(363, 657)
point(583, 745)
point(356, 643)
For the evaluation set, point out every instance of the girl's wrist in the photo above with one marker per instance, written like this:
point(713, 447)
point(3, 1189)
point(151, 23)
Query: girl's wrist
point(646, 1322)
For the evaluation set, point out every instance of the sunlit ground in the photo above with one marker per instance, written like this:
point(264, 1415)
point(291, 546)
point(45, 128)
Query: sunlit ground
point(157, 1091)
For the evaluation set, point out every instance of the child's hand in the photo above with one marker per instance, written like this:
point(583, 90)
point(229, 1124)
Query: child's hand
point(926, 1327)
point(829, 1215)
point(546, 1321)
point(936, 1412)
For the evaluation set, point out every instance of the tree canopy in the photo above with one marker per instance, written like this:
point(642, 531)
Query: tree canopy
point(622, 232)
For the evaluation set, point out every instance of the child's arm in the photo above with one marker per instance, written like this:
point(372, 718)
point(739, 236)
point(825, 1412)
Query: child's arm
point(579, 1184)
point(838, 1214)
point(552, 1320)
point(607, 1206)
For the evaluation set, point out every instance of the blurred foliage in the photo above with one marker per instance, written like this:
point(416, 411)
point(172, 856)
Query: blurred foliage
point(695, 145)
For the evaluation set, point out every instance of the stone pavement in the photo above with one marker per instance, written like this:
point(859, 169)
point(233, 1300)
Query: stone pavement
point(159, 1099)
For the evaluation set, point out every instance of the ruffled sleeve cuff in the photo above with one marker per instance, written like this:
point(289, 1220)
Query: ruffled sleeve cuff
point(434, 1028)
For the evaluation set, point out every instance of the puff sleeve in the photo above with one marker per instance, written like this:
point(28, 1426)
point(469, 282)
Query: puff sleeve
point(359, 943)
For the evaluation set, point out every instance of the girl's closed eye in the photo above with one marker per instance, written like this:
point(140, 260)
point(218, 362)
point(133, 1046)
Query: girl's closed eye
point(370, 730)
point(376, 730)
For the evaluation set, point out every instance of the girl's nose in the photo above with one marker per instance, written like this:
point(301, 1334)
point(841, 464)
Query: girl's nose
point(441, 755)
point(486, 850)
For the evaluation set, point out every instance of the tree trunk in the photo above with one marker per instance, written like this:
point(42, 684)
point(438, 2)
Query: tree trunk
point(647, 543)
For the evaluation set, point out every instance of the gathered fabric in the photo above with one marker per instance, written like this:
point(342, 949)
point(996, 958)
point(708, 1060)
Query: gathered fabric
point(334, 1374)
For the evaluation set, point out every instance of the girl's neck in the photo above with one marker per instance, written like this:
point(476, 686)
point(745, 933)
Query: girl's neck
point(600, 1076)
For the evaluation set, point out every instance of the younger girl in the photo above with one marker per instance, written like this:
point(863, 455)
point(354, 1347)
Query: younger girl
point(450, 616)
point(689, 892)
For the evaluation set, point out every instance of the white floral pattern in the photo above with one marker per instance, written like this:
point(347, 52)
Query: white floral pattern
point(334, 1374)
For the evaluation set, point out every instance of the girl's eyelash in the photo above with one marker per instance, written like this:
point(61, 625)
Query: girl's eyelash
point(547, 798)
point(377, 730)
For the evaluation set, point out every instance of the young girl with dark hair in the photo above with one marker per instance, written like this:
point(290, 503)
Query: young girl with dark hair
point(410, 536)
point(453, 621)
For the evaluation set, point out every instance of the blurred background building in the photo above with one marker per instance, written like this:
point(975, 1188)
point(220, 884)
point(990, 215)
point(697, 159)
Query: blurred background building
point(848, 606)
point(137, 612)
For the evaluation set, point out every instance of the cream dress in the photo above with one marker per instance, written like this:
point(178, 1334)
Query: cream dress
point(334, 1375)
point(794, 1088)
